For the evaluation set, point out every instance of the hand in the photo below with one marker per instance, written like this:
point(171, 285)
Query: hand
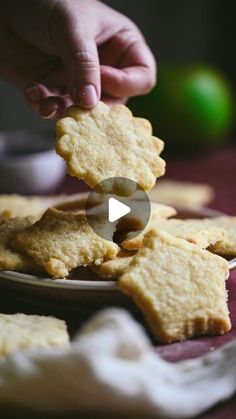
point(72, 51)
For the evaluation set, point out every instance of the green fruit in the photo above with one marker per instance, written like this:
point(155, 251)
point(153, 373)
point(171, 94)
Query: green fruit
point(191, 108)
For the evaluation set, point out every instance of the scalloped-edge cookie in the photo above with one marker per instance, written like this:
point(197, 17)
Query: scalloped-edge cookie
point(20, 332)
point(107, 142)
point(179, 287)
point(61, 241)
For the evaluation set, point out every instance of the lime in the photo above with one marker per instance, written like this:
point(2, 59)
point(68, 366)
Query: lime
point(191, 108)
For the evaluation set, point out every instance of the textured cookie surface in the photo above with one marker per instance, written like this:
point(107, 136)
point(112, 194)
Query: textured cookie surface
point(226, 246)
point(194, 231)
point(115, 267)
point(61, 241)
point(133, 240)
point(6, 215)
point(75, 202)
point(21, 206)
point(179, 287)
point(134, 221)
point(109, 142)
point(20, 332)
point(14, 205)
point(183, 194)
point(10, 259)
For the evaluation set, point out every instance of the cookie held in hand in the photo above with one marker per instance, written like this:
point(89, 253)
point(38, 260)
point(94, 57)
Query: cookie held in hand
point(107, 142)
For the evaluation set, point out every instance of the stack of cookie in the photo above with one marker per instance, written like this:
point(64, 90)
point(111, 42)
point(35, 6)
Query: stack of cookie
point(169, 269)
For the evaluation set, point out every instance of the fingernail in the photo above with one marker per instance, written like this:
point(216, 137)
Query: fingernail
point(87, 96)
point(51, 115)
point(33, 92)
point(48, 112)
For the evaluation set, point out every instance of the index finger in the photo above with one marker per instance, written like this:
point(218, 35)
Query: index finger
point(136, 74)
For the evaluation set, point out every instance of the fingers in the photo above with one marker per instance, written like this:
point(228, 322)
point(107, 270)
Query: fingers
point(78, 50)
point(54, 107)
point(49, 103)
point(126, 82)
point(126, 68)
point(35, 94)
point(135, 75)
point(109, 100)
point(84, 72)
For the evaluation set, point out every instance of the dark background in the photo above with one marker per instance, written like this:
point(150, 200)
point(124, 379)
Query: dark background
point(183, 31)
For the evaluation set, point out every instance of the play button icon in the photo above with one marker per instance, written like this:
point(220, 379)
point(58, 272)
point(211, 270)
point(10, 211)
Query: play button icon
point(116, 209)
point(119, 205)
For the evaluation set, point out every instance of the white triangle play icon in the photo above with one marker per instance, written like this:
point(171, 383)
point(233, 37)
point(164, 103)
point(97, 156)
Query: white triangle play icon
point(116, 209)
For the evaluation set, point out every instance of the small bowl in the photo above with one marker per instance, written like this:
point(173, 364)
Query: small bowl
point(28, 163)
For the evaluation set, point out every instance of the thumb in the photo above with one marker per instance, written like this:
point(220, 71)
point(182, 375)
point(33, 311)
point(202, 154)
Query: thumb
point(84, 70)
point(80, 58)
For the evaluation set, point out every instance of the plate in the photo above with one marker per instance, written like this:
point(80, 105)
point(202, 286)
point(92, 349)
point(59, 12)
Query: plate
point(86, 295)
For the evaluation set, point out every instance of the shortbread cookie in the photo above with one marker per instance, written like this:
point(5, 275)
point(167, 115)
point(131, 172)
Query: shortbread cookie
point(133, 240)
point(134, 221)
point(226, 246)
point(82, 202)
point(75, 202)
point(194, 231)
point(183, 194)
point(19, 332)
point(6, 215)
point(14, 205)
point(61, 241)
point(13, 260)
point(115, 267)
point(107, 142)
point(179, 287)
point(21, 206)
point(161, 211)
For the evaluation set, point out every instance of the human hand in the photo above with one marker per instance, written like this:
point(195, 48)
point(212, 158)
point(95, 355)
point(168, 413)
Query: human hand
point(72, 51)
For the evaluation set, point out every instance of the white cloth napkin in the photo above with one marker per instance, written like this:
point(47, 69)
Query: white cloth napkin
point(112, 367)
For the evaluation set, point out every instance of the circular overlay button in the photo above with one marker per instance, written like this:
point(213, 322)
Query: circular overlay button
point(117, 206)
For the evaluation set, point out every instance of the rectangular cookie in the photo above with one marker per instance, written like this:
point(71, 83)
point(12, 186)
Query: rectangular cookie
point(182, 194)
point(19, 332)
